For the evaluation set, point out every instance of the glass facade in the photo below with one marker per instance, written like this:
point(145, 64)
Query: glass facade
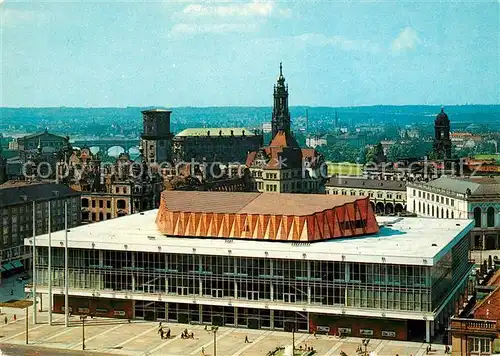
point(352, 285)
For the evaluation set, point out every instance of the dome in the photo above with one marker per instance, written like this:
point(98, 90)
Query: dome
point(442, 118)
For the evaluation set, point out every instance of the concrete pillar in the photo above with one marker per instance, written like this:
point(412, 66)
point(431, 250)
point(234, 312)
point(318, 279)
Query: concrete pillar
point(272, 292)
point(200, 310)
point(200, 283)
point(433, 328)
point(235, 290)
point(308, 282)
point(133, 271)
point(428, 331)
point(235, 317)
point(272, 320)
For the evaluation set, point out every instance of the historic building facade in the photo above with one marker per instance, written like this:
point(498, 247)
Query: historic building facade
point(222, 145)
point(156, 138)
point(113, 190)
point(386, 196)
point(16, 212)
point(442, 141)
point(283, 166)
point(475, 198)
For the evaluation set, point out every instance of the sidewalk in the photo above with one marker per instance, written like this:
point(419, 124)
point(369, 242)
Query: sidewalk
point(116, 336)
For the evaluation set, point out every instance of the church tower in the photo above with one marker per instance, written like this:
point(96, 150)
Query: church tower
point(156, 136)
point(442, 142)
point(281, 114)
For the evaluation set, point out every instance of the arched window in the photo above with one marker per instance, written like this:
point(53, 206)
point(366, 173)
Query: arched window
point(419, 207)
point(414, 205)
point(432, 211)
point(447, 214)
point(452, 215)
point(442, 213)
point(477, 216)
point(490, 217)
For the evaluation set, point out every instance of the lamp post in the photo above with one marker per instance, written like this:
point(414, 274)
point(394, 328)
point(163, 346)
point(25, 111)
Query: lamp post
point(214, 330)
point(82, 318)
point(365, 344)
point(293, 340)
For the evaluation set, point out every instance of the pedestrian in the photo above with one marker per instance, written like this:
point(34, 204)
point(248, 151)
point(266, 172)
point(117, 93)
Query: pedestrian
point(168, 334)
point(129, 320)
point(161, 334)
point(6, 320)
point(206, 327)
point(160, 330)
point(159, 325)
point(246, 339)
point(314, 333)
point(15, 318)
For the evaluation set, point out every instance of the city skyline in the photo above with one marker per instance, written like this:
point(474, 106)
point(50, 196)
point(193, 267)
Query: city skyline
point(227, 53)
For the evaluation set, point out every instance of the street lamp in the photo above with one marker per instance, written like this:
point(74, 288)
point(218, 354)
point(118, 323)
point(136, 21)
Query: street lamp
point(214, 330)
point(82, 318)
point(365, 344)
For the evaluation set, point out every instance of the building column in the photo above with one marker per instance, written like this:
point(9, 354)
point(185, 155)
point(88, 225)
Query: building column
point(308, 282)
point(235, 290)
point(200, 310)
point(133, 271)
point(200, 283)
point(272, 319)
point(235, 317)
point(433, 328)
point(428, 331)
point(271, 272)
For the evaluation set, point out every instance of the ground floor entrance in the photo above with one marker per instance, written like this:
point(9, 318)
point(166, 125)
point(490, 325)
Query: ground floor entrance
point(252, 318)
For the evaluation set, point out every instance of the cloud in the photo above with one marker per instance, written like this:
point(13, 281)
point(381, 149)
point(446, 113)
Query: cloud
point(338, 41)
point(255, 8)
point(198, 29)
point(406, 40)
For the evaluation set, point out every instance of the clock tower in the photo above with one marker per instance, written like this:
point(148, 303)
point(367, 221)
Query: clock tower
point(156, 137)
point(281, 114)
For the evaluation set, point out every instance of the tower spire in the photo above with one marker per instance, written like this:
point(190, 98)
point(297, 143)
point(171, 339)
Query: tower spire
point(281, 68)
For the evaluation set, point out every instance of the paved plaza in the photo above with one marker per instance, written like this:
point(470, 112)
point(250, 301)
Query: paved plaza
point(118, 337)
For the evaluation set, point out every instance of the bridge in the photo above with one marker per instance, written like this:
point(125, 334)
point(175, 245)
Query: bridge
point(106, 144)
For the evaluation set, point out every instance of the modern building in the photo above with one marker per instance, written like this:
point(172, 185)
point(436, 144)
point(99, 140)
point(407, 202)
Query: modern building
point(223, 145)
point(283, 166)
point(113, 190)
point(475, 198)
point(479, 332)
point(386, 196)
point(16, 212)
point(264, 260)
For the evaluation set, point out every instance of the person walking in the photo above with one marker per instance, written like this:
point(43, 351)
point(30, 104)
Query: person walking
point(6, 320)
point(246, 339)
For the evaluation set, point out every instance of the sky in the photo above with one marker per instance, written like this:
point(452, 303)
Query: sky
point(227, 53)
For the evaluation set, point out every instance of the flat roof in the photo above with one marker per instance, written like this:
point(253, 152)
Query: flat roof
point(409, 240)
point(253, 203)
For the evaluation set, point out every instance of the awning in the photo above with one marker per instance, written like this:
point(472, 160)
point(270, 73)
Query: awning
point(8, 266)
point(16, 264)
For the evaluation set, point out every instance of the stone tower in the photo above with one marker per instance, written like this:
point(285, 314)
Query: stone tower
point(281, 114)
point(442, 142)
point(156, 137)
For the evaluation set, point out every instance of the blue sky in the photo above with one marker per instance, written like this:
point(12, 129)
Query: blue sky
point(208, 53)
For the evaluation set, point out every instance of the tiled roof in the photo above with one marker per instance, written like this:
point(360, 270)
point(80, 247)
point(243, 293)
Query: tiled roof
point(253, 203)
point(17, 192)
point(283, 152)
point(215, 131)
point(478, 186)
point(264, 216)
point(362, 183)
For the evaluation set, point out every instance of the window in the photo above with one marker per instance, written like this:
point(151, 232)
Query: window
point(93, 203)
point(124, 190)
point(452, 202)
point(477, 216)
point(389, 196)
point(101, 203)
point(419, 194)
point(108, 204)
point(85, 203)
point(479, 345)
point(490, 217)
point(117, 190)
point(120, 204)
point(413, 192)
point(447, 201)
